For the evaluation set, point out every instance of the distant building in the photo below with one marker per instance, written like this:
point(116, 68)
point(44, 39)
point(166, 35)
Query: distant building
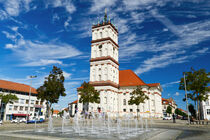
point(19, 108)
point(73, 108)
point(55, 113)
point(205, 108)
point(166, 103)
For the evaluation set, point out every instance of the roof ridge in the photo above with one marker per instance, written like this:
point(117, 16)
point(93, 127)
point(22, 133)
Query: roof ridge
point(15, 82)
point(138, 77)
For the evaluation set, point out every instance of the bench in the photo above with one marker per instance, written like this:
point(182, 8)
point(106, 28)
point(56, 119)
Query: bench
point(199, 122)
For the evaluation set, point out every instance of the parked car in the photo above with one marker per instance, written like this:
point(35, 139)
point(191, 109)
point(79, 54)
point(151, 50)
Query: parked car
point(0, 122)
point(167, 118)
point(18, 120)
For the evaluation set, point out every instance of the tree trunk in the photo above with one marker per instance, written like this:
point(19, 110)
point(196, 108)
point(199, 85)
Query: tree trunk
point(137, 112)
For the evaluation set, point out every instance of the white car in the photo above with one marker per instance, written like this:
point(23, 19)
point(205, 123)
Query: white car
point(18, 120)
point(0, 122)
point(167, 118)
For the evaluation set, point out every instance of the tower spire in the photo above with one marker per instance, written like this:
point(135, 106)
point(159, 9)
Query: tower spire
point(105, 16)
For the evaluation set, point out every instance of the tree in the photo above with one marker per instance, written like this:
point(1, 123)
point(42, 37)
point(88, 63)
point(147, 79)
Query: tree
point(88, 94)
point(192, 110)
point(196, 85)
point(169, 110)
point(5, 99)
point(138, 96)
point(52, 88)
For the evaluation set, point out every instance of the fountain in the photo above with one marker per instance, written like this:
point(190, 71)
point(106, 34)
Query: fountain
point(50, 124)
point(97, 125)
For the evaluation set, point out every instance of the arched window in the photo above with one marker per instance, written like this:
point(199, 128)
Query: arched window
point(96, 36)
point(105, 100)
point(101, 35)
point(124, 101)
point(100, 52)
point(99, 76)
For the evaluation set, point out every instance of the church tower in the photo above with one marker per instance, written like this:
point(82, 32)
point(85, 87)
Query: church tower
point(104, 66)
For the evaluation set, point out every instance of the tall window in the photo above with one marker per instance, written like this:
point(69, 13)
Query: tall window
point(99, 77)
point(124, 102)
point(22, 101)
point(21, 108)
point(100, 50)
point(100, 53)
point(96, 36)
point(208, 111)
point(15, 107)
point(105, 100)
point(101, 35)
point(10, 107)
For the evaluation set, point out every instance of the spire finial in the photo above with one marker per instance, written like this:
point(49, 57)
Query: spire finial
point(105, 16)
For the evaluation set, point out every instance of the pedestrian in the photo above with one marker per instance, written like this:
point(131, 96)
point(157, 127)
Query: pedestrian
point(174, 118)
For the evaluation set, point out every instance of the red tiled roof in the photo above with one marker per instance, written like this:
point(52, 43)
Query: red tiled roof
point(56, 111)
point(153, 84)
point(74, 102)
point(16, 86)
point(129, 78)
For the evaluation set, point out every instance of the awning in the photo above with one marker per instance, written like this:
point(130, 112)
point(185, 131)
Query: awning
point(22, 115)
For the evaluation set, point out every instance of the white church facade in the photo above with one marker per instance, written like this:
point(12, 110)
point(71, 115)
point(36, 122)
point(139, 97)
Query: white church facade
point(113, 84)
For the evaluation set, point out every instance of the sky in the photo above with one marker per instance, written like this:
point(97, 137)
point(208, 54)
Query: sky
point(158, 39)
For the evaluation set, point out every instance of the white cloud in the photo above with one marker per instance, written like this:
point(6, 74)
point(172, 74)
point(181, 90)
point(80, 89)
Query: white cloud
point(142, 4)
point(66, 23)
point(55, 17)
point(3, 15)
point(41, 54)
point(100, 5)
point(42, 62)
point(12, 7)
point(202, 51)
point(15, 7)
point(177, 93)
point(67, 4)
point(160, 61)
point(170, 83)
point(10, 46)
point(66, 74)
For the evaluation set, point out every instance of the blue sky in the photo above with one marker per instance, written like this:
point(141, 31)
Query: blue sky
point(158, 39)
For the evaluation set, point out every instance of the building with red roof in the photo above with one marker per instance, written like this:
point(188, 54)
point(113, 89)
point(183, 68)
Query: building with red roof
point(168, 102)
point(23, 107)
point(115, 86)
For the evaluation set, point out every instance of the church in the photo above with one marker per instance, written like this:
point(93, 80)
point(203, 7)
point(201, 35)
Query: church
point(113, 84)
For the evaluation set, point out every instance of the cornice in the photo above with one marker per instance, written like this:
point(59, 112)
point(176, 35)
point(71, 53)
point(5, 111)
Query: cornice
point(104, 58)
point(105, 39)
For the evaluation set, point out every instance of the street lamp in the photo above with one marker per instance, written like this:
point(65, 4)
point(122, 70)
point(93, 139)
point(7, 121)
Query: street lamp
point(186, 99)
point(31, 77)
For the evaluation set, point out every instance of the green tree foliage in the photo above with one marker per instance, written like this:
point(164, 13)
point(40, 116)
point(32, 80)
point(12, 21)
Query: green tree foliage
point(181, 113)
point(52, 88)
point(137, 97)
point(7, 98)
point(169, 110)
point(88, 94)
point(192, 110)
point(196, 85)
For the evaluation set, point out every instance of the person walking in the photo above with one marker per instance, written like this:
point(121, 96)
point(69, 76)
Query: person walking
point(174, 118)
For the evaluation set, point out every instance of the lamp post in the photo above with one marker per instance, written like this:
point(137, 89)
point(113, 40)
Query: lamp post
point(30, 95)
point(188, 118)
